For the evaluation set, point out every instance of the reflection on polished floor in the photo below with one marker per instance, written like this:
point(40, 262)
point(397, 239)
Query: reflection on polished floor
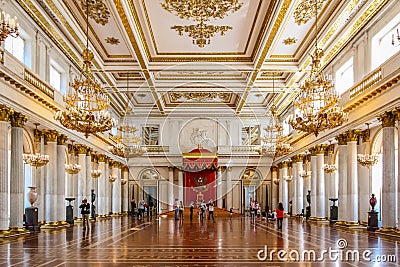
point(125, 241)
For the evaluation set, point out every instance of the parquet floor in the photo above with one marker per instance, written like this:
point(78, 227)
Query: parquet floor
point(162, 241)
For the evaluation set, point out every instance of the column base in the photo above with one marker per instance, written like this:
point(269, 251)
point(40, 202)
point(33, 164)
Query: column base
point(13, 231)
point(353, 225)
point(55, 225)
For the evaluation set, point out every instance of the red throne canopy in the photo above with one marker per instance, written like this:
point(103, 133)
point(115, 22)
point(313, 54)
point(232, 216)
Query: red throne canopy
point(200, 167)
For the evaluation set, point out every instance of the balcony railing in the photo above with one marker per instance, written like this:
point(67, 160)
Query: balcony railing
point(38, 83)
point(366, 83)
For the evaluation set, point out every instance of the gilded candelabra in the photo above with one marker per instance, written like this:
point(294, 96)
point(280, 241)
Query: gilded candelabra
point(9, 27)
point(367, 159)
point(95, 173)
point(36, 159)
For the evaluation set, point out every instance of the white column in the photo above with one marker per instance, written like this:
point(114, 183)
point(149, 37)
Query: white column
point(180, 184)
point(364, 179)
point(88, 178)
point(118, 196)
point(389, 206)
point(285, 197)
point(281, 183)
point(299, 190)
point(75, 184)
point(61, 176)
point(342, 173)
point(124, 190)
point(95, 183)
point(306, 181)
point(39, 175)
point(5, 113)
point(51, 175)
point(294, 182)
point(274, 188)
point(114, 187)
point(171, 198)
point(81, 177)
point(313, 183)
point(101, 191)
point(320, 196)
point(352, 177)
point(17, 171)
point(219, 188)
point(229, 200)
point(70, 184)
point(108, 187)
point(398, 167)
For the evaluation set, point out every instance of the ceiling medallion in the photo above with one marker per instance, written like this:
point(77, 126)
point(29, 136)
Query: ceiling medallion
point(306, 10)
point(199, 97)
point(201, 11)
point(97, 10)
point(289, 41)
point(112, 41)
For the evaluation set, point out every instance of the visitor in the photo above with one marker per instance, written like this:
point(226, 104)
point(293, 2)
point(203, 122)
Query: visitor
point(203, 207)
point(181, 208)
point(85, 211)
point(211, 210)
point(141, 209)
point(230, 213)
point(279, 215)
point(191, 210)
point(133, 207)
point(176, 208)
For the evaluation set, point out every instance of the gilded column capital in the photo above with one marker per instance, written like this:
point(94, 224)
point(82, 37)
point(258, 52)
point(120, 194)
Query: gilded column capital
point(125, 168)
point(290, 164)
point(341, 138)
point(297, 158)
point(5, 113)
point(50, 136)
point(71, 149)
point(94, 158)
point(307, 158)
point(388, 119)
point(101, 157)
point(18, 119)
point(229, 168)
point(61, 139)
point(274, 168)
point(366, 135)
point(329, 150)
point(89, 151)
point(114, 164)
point(352, 135)
point(81, 149)
point(283, 164)
point(219, 168)
point(396, 111)
point(318, 149)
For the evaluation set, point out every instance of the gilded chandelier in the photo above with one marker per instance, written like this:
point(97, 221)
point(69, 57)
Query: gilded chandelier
point(201, 11)
point(71, 168)
point(87, 106)
point(36, 159)
point(9, 27)
point(367, 159)
point(318, 99)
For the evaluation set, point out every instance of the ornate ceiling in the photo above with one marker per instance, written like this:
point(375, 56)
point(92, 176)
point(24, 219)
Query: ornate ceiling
point(168, 74)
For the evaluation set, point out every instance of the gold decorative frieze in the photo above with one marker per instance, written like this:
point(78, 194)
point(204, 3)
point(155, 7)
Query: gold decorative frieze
point(388, 119)
point(50, 136)
point(18, 119)
point(112, 41)
point(200, 97)
point(97, 10)
point(289, 41)
point(61, 139)
point(5, 113)
point(305, 10)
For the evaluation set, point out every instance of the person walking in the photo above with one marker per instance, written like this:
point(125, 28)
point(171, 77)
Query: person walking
point(211, 210)
point(191, 210)
point(230, 213)
point(181, 208)
point(279, 215)
point(85, 211)
point(176, 208)
point(133, 207)
point(141, 209)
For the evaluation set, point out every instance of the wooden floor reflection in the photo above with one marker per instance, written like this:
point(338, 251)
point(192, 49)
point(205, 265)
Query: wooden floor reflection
point(123, 241)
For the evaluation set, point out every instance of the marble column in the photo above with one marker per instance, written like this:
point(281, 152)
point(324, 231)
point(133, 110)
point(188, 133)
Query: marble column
point(5, 114)
point(51, 179)
point(285, 186)
point(298, 161)
point(61, 176)
point(389, 206)
point(180, 184)
point(70, 177)
point(171, 198)
point(94, 182)
point(117, 196)
point(124, 189)
point(320, 194)
point(306, 179)
point(81, 150)
point(313, 182)
point(218, 183)
point(102, 180)
point(108, 187)
point(114, 189)
point(17, 170)
point(88, 179)
point(352, 177)
point(280, 185)
point(398, 164)
point(364, 178)
point(229, 199)
point(342, 173)
point(38, 178)
point(293, 191)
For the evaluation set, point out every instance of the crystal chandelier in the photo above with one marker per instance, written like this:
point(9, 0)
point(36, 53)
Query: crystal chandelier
point(201, 11)
point(36, 159)
point(318, 99)
point(366, 159)
point(9, 27)
point(71, 168)
point(95, 173)
point(306, 172)
point(330, 167)
point(282, 147)
point(87, 105)
point(127, 138)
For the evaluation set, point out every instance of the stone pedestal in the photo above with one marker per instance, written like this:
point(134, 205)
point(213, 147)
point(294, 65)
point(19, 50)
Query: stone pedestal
point(31, 219)
point(372, 221)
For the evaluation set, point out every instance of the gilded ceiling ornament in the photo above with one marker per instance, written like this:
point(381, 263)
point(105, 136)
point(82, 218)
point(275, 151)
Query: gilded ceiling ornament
point(289, 41)
point(97, 10)
point(112, 41)
point(306, 10)
point(199, 97)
